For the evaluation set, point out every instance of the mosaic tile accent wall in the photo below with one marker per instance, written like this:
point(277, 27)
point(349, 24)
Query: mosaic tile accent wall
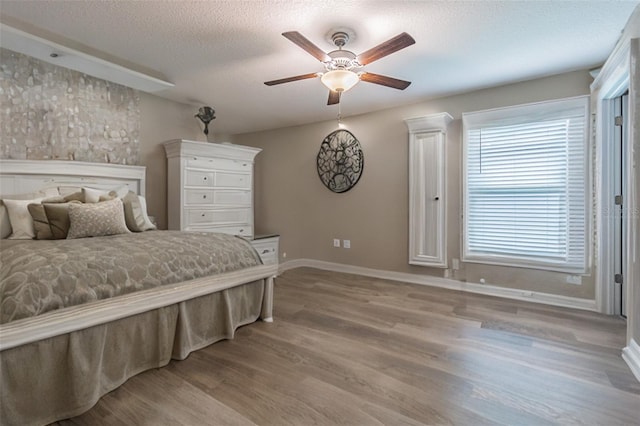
point(49, 112)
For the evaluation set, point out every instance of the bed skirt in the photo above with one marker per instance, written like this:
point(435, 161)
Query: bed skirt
point(64, 376)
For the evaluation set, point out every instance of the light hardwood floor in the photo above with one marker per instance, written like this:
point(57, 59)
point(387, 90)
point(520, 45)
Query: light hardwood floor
point(346, 349)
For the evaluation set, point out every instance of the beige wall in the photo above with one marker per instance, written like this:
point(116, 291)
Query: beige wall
point(162, 120)
point(291, 200)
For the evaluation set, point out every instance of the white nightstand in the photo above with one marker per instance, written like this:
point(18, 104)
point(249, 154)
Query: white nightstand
point(267, 248)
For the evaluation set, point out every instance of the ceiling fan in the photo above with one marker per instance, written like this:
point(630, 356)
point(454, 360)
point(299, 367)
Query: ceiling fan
point(343, 68)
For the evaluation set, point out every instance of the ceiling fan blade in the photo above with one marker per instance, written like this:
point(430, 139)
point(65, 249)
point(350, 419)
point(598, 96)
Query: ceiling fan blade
point(388, 47)
point(290, 79)
point(383, 80)
point(334, 98)
point(304, 43)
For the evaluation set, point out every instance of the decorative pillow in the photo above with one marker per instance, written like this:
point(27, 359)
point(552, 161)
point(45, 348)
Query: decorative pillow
point(96, 219)
point(135, 213)
point(74, 196)
point(149, 224)
point(41, 224)
point(92, 195)
point(108, 197)
point(20, 219)
point(58, 218)
point(5, 223)
point(67, 190)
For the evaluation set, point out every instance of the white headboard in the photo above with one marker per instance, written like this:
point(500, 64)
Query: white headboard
point(24, 176)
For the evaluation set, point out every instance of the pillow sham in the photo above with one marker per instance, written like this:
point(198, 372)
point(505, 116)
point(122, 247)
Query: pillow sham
point(96, 219)
point(20, 219)
point(135, 213)
point(92, 195)
point(150, 224)
point(74, 196)
point(41, 226)
point(58, 218)
point(5, 223)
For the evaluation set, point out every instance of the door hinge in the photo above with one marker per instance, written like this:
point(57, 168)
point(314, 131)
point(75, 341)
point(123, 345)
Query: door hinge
point(618, 200)
point(617, 278)
point(618, 120)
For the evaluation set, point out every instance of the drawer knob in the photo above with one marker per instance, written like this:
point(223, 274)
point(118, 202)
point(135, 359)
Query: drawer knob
point(202, 214)
point(242, 230)
point(265, 251)
point(204, 196)
point(205, 178)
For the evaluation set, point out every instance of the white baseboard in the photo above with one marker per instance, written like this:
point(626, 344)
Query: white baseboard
point(631, 354)
point(490, 290)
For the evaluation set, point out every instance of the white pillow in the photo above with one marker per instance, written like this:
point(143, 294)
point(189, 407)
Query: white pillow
point(20, 218)
point(92, 195)
point(5, 224)
point(135, 213)
point(148, 223)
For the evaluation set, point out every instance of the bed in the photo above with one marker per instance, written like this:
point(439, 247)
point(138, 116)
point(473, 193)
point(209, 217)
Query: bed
point(64, 346)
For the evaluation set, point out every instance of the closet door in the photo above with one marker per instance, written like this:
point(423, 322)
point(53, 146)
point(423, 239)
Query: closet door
point(427, 190)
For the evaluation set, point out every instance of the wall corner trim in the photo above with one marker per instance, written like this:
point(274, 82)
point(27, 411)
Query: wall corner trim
point(631, 355)
point(489, 290)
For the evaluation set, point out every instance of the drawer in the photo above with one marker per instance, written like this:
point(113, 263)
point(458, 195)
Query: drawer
point(230, 197)
point(245, 231)
point(199, 196)
point(268, 250)
point(233, 180)
point(269, 258)
point(209, 163)
point(198, 178)
point(218, 217)
point(217, 197)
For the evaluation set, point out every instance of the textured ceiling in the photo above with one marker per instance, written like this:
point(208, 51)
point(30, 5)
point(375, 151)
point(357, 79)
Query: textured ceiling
point(219, 53)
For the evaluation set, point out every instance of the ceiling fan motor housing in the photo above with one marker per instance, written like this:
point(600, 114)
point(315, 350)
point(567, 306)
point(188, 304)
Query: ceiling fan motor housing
point(340, 38)
point(342, 60)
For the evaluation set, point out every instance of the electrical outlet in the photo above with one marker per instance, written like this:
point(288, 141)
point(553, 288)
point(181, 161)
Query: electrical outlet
point(346, 243)
point(574, 279)
point(336, 242)
point(455, 264)
point(284, 255)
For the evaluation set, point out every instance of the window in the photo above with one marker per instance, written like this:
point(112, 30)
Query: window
point(526, 186)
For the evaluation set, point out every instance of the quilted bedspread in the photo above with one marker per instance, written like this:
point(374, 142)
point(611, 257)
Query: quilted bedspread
point(38, 276)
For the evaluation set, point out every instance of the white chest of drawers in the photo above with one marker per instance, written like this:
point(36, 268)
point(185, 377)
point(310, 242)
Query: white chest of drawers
point(210, 187)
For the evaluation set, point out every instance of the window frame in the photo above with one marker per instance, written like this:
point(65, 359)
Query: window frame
point(521, 114)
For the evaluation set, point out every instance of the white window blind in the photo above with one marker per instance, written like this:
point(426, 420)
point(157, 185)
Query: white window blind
point(526, 182)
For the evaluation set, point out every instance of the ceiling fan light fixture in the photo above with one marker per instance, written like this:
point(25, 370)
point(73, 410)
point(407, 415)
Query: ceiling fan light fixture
point(340, 80)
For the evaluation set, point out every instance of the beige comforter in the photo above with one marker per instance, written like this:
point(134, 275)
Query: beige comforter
point(41, 276)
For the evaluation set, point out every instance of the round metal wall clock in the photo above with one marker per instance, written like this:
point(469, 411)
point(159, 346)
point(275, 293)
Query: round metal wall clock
point(340, 161)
